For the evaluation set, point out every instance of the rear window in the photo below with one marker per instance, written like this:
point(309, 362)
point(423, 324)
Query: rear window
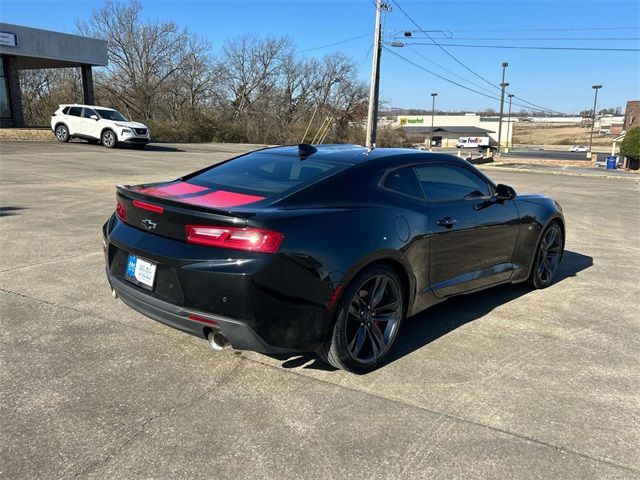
point(405, 181)
point(74, 111)
point(265, 174)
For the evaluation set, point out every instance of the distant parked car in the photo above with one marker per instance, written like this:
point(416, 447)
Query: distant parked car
point(99, 125)
point(579, 148)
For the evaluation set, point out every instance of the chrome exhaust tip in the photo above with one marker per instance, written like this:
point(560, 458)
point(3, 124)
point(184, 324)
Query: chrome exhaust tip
point(114, 294)
point(217, 340)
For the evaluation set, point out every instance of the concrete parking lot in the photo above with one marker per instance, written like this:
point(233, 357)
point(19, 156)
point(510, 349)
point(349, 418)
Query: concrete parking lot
point(508, 383)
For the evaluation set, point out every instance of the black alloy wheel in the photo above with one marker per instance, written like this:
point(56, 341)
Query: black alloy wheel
point(548, 257)
point(109, 139)
point(368, 317)
point(62, 133)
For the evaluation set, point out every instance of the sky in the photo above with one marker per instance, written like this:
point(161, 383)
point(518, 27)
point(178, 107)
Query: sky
point(559, 80)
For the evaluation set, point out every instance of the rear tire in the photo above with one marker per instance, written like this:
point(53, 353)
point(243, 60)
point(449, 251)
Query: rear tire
point(548, 256)
point(62, 133)
point(367, 319)
point(109, 139)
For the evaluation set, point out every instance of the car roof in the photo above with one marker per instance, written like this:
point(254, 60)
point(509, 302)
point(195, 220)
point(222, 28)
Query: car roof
point(357, 155)
point(62, 105)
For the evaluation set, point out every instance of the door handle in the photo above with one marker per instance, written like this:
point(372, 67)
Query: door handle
point(447, 222)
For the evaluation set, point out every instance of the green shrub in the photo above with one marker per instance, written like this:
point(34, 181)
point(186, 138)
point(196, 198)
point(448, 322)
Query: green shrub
point(630, 146)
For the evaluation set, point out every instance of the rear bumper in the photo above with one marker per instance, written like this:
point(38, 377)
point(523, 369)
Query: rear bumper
point(239, 334)
point(261, 302)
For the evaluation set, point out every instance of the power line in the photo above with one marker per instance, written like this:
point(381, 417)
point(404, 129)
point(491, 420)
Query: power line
point(585, 39)
point(440, 47)
point(415, 52)
point(460, 84)
point(574, 29)
point(456, 59)
point(340, 42)
point(530, 47)
point(438, 75)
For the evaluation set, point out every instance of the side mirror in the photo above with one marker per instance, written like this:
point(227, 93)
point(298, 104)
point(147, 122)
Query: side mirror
point(95, 117)
point(505, 192)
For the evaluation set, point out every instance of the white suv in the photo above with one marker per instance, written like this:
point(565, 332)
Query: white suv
point(97, 124)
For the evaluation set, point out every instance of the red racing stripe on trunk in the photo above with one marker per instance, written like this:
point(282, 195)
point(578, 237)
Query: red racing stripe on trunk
point(222, 198)
point(174, 190)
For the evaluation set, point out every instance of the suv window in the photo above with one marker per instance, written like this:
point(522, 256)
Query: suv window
point(74, 111)
point(266, 174)
point(87, 112)
point(403, 180)
point(111, 115)
point(65, 110)
point(451, 182)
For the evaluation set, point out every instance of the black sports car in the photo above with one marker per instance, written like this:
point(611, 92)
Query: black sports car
point(322, 249)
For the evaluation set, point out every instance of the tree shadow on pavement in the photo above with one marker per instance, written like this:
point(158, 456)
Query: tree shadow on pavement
point(439, 320)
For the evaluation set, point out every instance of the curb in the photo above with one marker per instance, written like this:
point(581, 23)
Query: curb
point(555, 172)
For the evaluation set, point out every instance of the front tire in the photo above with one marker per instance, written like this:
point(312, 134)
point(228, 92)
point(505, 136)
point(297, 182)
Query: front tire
point(546, 262)
point(367, 320)
point(109, 139)
point(62, 133)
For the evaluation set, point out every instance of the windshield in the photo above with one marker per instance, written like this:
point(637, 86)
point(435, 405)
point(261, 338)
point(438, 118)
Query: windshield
point(266, 174)
point(111, 115)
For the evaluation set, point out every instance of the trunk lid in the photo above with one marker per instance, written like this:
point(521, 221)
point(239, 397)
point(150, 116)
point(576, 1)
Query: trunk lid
point(166, 208)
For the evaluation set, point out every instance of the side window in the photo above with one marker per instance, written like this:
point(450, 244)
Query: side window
point(74, 111)
point(451, 182)
point(65, 110)
point(403, 180)
point(87, 112)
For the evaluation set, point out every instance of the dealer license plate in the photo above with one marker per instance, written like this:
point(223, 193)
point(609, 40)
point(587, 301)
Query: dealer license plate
point(141, 271)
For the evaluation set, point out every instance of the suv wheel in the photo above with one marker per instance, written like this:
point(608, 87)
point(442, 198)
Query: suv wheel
point(109, 139)
point(367, 320)
point(62, 133)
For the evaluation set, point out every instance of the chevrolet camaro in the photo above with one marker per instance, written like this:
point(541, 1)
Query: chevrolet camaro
point(323, 248)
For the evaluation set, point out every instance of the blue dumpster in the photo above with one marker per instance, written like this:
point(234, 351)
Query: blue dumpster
point(612, 163)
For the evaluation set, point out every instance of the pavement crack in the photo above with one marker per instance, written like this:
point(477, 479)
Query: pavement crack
point(218, 382)
point(86, 313)
point(46, 262)
point(526, 438)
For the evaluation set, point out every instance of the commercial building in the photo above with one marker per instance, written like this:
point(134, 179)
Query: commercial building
point(23, 48)
point(448, 128)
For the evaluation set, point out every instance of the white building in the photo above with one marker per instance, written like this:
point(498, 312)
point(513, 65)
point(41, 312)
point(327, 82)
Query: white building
point(448, 128)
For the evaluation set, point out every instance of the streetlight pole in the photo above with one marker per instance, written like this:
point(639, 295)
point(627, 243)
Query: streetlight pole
point(372, 116)
point(433, 111)
point(511, 95)
point(502, 86)
point(593, 121)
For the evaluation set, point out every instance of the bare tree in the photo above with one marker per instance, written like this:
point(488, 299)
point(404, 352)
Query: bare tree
point(257, 90)
point(145, 59)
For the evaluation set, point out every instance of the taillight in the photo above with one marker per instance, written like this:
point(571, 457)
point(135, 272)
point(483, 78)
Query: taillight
point(121, 212)
point(148, 206)
point(254, 239)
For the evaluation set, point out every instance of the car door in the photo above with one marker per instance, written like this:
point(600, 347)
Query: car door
point(472, 234)
point(74, 120)
point(90, 126)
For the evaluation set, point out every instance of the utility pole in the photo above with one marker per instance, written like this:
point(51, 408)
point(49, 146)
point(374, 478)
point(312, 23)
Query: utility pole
point(511, 95)
point(372, 116)
point(502, 86)
point(433, 111)
point(593, 121)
